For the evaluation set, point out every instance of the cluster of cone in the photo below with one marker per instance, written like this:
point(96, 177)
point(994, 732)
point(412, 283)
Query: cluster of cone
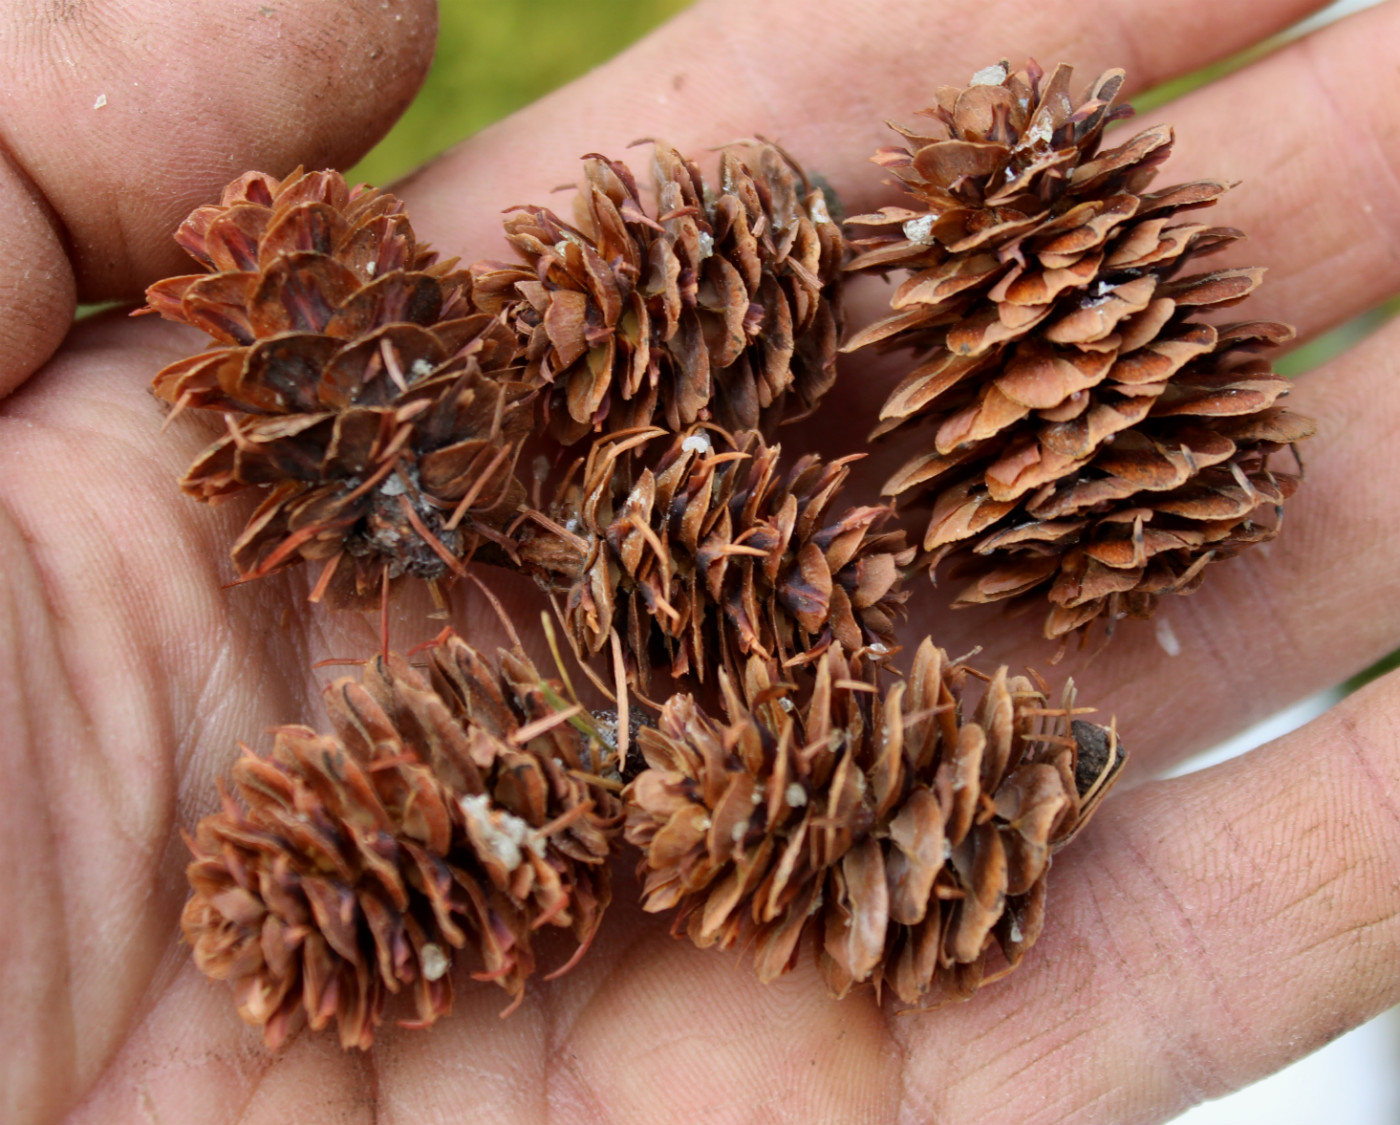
point(1086, 439)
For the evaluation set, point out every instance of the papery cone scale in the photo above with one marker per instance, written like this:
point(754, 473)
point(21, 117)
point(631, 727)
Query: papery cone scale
point(716, 302)
point(705, 550)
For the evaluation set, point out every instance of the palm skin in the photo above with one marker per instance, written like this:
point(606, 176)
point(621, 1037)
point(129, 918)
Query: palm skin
point(1202, 932)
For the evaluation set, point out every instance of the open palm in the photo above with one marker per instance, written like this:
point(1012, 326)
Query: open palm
point(1202, 933)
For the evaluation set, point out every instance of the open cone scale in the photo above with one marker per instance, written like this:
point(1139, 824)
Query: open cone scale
point(904, 831)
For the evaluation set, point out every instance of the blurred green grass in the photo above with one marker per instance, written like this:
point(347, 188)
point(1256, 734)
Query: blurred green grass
point(493, 58)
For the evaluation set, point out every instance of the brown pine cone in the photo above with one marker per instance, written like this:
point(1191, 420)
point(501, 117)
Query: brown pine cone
point(371, 405)
point(445, 817)
point(908, 832)
point(723, 305)
point(1088, 437)
point(711, 554)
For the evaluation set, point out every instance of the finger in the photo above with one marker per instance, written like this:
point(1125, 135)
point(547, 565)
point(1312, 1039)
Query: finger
point(823, 87)
point(122, 116)
point(1202, 934)
point(1310, 139)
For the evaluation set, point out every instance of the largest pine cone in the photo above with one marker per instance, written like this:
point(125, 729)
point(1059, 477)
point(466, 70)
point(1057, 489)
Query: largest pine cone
point(1087, 435)
point(426, 827)
point(906, 831)
point(376, 411)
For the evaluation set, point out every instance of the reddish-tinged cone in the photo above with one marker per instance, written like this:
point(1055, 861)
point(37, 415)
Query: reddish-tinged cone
point(444, 819)
point(711, 551)
point(717, 303)
point(375, 411)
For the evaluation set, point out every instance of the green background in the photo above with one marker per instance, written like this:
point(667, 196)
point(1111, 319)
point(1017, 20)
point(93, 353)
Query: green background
point(494, 57)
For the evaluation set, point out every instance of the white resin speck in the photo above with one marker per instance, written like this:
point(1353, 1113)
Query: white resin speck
point(920, 229)
point(435, 962)
point(1039, 133)
point(990, 76)
point(503, 833)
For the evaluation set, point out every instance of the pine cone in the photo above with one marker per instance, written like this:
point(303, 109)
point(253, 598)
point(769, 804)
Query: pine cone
point(711, 554)
point(374, 408)
point(438, 817)
point(724, 305)
point(1088, 435)
point(909, 839)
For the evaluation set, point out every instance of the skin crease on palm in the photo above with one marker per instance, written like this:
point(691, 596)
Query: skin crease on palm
point(1202, 933)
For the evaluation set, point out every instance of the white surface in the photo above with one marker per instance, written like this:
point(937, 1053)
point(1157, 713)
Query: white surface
point(1270, 729)
point(1351, 1081)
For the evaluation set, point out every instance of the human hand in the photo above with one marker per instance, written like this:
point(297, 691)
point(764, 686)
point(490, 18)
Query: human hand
point(1201, 933)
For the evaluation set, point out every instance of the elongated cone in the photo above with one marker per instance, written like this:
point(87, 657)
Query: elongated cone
point(712, 553)
point(376, 412)
point(721, 304)
point(1086, 436)
point(906, 832)
point(445, 818)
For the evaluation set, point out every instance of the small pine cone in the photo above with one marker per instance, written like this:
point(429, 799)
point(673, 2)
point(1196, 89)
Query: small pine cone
point(373, 407)
point(723, 306)
point(1088, 435)
point(907, 837)
point(711, 555)
point(439, 817)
